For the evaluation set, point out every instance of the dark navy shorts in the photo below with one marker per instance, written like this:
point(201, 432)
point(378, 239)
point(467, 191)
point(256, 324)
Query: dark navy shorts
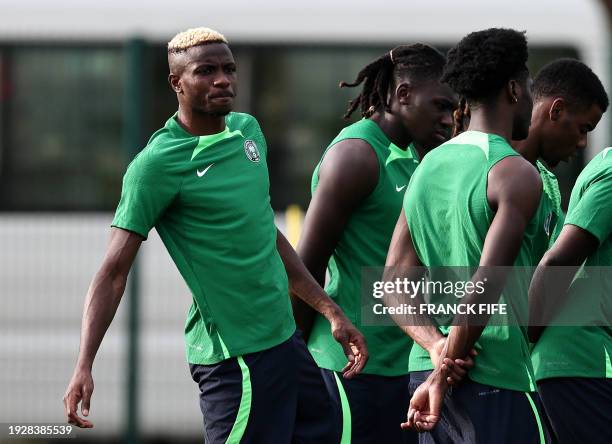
point(478, 413)
point(579, 409)
point(370, 408)
point(274, 396)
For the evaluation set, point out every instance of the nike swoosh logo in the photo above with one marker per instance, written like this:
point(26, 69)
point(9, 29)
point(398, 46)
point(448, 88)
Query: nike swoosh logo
point(398, 189)
point(201, 173)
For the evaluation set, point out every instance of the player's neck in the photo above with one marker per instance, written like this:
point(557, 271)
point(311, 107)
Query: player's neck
point(200, 124)
point(420, 151)
point(529, 148)
point(390, 125)
point(490, 120)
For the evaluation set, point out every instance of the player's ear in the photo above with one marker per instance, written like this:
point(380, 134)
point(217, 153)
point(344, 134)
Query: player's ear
point(403, 92)
point(175, 83)
point(556, 109)
point(514, 90)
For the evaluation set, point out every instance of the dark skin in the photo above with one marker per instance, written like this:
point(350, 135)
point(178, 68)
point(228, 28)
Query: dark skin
point(304, 286)
point(513, 193)
point(427, 111)
point(573, 246)
point(421, 113)
point(204, 79)
point(424, 108)
point(403, 262)
point(513, 100)
point(559, 129)
point(101, 302)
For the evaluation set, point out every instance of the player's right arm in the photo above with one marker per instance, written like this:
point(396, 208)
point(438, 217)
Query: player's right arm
point(101, 302)
point(347, 176)
point(149, 187)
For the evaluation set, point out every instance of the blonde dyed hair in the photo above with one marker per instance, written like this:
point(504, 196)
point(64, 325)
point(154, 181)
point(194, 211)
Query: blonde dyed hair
point(194, 37)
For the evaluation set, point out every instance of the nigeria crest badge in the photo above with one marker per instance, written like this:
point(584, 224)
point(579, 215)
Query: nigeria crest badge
point(251, 151)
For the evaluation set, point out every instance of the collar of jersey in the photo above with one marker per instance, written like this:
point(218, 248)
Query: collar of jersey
point(203, 141)
point(476, 138)
point(212, 139)
point(396, 153)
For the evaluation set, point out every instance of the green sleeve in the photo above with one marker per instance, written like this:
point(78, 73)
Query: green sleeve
point(148, 189)
point(259, 136)
point(593, 212)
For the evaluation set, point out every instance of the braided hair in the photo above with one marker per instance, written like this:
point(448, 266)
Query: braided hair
point(418, 60)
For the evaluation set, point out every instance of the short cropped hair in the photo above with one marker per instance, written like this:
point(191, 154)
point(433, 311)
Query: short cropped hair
point(572, 80)
point(484, 61)
point(194, 37)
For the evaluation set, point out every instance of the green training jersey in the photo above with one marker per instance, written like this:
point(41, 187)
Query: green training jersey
point(550, 186)
point(208, 198)
point(585, 351)
point(449, 216)
point(364, 243)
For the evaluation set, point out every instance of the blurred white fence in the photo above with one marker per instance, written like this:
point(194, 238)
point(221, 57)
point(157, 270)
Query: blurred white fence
point(46, 264)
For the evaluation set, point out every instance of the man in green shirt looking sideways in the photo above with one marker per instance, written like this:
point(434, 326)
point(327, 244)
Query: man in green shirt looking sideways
point(202, 182)
point(568, 103)
point(572, 363)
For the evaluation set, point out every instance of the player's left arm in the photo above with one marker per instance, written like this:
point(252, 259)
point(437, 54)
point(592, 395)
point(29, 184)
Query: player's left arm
point(304, 286)
point(555, 272)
